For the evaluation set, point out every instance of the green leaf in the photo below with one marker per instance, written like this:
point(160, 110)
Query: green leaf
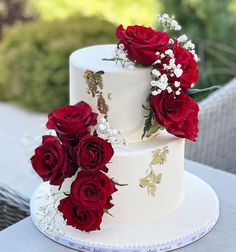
point(199, 93)
point(154, 128)
point(148, 123)
point(107, 212)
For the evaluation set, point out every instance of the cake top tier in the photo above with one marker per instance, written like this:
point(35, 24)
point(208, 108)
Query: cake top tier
point(92, 58)
point(113, 91)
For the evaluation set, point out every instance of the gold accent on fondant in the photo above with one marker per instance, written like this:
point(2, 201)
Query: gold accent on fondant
point(95, 86)
point(94, 81)
point(150, 182)
point(103, 108)
point(159, 156)
point(152, 179)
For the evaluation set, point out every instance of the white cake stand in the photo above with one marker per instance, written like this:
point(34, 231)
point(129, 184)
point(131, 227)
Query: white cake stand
point(194, 219)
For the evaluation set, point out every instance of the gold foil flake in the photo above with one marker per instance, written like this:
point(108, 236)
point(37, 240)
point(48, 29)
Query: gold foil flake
point(94, 81)
point(150, 182)
point(159, 156)
point(103, 108)
point(152, 179)
point(95, 86)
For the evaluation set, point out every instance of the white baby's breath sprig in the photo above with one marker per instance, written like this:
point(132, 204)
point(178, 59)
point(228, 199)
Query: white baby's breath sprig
point(48, 214)
point(120, 55)
point(160, 81)
point(106, 132)
point(169, 22)
point(188, 45)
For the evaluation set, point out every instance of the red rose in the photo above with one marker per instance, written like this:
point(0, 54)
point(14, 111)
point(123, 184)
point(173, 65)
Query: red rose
point(178, 114)
point(188, 65)
point(142, 43)
point(52, 161)
point(80, 218)
point(92, 190)
point(189, 127)
point(93, 153)
point(72, 122)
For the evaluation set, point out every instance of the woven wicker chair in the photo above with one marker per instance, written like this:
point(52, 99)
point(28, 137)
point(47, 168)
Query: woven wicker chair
point(13, 207)
point(216, 144)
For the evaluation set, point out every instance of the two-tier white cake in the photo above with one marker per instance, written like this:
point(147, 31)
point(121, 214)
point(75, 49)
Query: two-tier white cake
point(113, 168)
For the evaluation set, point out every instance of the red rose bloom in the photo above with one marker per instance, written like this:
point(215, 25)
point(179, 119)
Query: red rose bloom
point(52, 161)
point(80, 218)
point(178, 114)
point(189, 127)
point(72, 122)
point(92, 190)
point(188, 65)
point(142, 43)
point(93, 153)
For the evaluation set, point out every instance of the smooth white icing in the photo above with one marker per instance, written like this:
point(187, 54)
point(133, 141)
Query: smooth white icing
point(128, 88)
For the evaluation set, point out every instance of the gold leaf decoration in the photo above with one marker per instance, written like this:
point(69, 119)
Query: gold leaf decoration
point(94, 81)
point(150, 182)
point(152, 179)
point(101, 105)
point(95, 86)
point(159, 156)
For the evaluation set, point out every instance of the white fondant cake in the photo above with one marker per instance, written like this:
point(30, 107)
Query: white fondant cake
point(139, 200)
point(109, 189)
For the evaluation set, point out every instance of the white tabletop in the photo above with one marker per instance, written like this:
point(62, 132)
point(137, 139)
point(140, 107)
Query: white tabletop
point(25, 237)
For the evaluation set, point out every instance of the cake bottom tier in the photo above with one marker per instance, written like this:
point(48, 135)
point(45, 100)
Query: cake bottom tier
point(191, 221)
point(151, 174)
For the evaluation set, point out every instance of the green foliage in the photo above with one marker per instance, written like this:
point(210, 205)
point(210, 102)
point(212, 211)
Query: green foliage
point(122, 11)
point(211, 25)
point(34, 67)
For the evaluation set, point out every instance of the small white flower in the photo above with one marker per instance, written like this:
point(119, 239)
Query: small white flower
point(169, 89)
point(165, 16)
point(153, 83)
point(156, 92)
point(172, 63)
point(121, 46)
point(170, 53)
point(177, 92)
point(157, 53)
point(178, 72)
point(156, 62)
point(192, 85)
point(103, 120)
point(196, 57)
point(102, 127)
point(173, 23)
point(156, 72)
point(177, 84)
point(183, 38)
point(178, 28)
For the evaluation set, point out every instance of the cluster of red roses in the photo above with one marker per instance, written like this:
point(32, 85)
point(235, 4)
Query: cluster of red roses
point(76, 149)
point(145, 46)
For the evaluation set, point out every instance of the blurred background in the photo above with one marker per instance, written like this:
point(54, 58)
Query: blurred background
point(37, 37)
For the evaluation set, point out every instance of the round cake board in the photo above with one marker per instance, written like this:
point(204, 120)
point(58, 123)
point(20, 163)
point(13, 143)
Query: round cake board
point(192, 220)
